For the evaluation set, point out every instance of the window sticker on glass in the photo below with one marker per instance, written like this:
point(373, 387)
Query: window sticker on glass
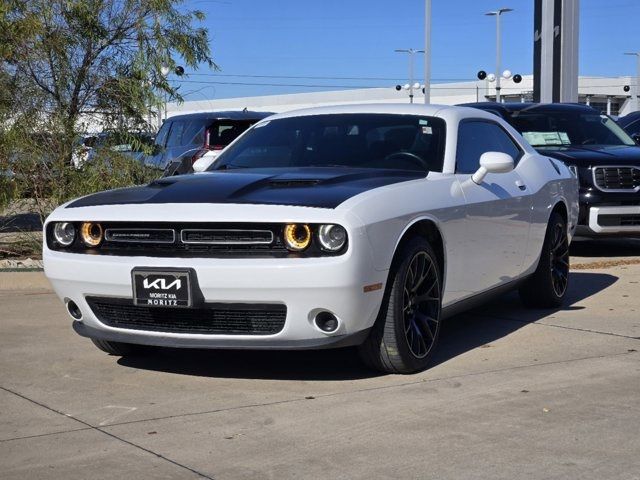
point(424, 121)
point(427, 130)
point(546, 138)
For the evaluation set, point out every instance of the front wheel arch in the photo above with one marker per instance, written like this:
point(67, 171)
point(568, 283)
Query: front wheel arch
point(427, 229)
point(561, 209)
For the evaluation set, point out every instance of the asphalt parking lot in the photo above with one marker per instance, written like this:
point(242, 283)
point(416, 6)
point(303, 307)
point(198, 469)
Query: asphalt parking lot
point(513, 393)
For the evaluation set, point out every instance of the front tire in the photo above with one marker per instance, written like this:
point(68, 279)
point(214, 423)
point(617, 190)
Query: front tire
point(116, 348)
point(547, 287)
point(406, 331)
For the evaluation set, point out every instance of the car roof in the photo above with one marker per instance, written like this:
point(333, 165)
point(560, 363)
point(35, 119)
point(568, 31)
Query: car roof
point(506, 109)
point(445, 111)
point(226, 115)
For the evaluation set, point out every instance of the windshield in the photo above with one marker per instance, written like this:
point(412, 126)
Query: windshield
point(404, 142)
point(564, 128)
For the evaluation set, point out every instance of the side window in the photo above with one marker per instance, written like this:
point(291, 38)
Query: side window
point(175, 136)
point(478, 137)
point(193, 133)
point(161, 136)
point(633, 128)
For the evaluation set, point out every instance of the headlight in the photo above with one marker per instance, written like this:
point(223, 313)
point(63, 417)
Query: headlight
point(297, 237)
point(91, 234)
point(332, 237)
point(64, 233)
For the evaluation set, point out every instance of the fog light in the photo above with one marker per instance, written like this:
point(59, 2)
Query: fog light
point(327, 322)
point(91, 234)
point(74, 310)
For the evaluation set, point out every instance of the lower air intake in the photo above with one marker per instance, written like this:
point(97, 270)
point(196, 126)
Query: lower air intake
point(212, 318)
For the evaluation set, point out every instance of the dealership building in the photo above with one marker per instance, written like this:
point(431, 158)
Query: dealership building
point(606, 94)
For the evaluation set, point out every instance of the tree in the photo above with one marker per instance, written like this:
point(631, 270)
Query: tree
point(65, 64)
point(100, 57)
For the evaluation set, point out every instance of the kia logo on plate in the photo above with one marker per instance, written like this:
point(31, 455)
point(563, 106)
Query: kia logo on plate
point(161, 284)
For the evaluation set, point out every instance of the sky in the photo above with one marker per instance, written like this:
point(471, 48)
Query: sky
point(261, 46)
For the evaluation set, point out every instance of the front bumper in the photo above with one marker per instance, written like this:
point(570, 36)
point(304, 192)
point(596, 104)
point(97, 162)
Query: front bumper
point(305, 285)
point(623, 220)
point(598, 209)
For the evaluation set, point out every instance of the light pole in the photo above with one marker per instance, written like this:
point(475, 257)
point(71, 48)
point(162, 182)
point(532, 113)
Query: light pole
point(498, 13)
point(411, 52)
point(164, 70)
point(637, 89)
point(427, 51)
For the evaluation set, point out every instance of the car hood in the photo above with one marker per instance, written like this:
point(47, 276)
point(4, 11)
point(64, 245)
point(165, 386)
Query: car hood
point(594, 155)
point(308, 187)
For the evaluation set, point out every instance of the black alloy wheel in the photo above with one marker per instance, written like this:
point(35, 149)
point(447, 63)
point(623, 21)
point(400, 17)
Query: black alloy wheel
point(547, 286)
point(406, 331)
point(421, 304)
point(560, 259)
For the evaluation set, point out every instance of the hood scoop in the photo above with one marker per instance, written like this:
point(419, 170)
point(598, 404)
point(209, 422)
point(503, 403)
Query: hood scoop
point(294, 182)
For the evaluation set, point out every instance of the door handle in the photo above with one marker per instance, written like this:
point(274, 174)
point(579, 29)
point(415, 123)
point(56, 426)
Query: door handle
point(521, 185)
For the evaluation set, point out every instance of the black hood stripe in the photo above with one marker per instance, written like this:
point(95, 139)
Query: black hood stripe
point(307, 187)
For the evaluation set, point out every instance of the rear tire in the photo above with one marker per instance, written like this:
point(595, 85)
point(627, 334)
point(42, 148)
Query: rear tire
point(547, 287)
point(116, 348)
point(406, 331)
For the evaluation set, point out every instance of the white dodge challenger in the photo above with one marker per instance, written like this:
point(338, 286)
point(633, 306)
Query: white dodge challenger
point(353, 225)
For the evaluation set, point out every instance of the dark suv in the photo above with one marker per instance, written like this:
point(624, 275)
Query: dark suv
point(605, 159)
point(631, 124)
point(184, 138)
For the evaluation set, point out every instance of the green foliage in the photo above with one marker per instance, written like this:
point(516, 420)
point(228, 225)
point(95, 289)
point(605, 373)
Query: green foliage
point(99, 57)
point(107, 171)
point(68, 66)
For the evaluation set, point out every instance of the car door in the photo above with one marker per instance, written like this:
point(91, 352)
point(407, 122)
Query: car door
point(497, 210)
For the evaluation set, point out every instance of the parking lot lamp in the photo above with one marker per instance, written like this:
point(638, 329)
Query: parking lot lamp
point(498, 13)
point(411, 52)
point(637, 89)
point(427, 51)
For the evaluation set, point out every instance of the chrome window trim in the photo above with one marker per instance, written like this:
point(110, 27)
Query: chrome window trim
point(614, 190)
point(250, 242)
point(133, 229)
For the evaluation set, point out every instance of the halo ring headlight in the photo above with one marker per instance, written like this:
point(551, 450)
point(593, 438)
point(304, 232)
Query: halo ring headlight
point(297, 236)
point(64, 233)
point(332, 237)
point(91, 234)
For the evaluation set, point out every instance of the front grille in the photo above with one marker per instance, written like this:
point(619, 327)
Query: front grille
point(194, 240)
point(226, 237)
point(212, 318)
point(140, 235)
point(617, 178)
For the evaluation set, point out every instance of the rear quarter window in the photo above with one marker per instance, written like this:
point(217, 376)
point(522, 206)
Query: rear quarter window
point(186, 133)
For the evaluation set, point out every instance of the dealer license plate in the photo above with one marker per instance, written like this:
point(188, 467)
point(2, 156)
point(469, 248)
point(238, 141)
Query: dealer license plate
point(157, 288)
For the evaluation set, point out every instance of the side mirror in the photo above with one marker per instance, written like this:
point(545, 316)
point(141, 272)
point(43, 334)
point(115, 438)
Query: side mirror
point(201, 164)
point(492, 162)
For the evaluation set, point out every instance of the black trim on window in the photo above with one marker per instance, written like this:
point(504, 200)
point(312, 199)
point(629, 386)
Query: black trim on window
point(497, 124)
